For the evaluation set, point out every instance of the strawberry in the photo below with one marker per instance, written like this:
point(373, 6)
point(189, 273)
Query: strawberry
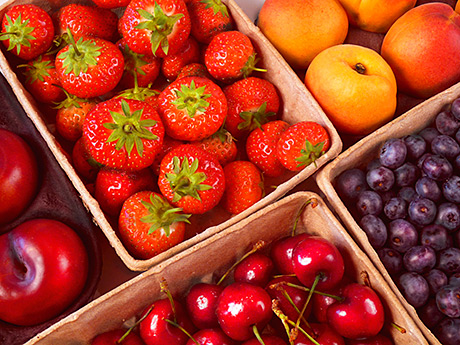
point(192, 179)
point(83, 163)
point(243, 186)
point(113, 187)
point(173, 63)
point(251, 103)
point(261, 147)
point(42, 80)
point(194, 70)
point(123, 133)
point(168, 144)
point(111, 4)
point(87, 21)
point(90, 67)
point(145, 67)
point(192, 108)
point(71, 114)
point(301, 144)
point(145, 94)
point(27, 31)
point(208, 18)
point(221, 144)
point(240, 57)
point(155, 27)
point(148, 225)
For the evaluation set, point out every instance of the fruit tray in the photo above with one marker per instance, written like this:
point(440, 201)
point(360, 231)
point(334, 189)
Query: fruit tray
point(55, 199)
point(297, 104)
point(360, 155)
point(214, 256)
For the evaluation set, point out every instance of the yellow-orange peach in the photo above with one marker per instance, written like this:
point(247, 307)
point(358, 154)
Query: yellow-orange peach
point(376, 15)
point(355, 87)
point(300, 29)
point(423, 49)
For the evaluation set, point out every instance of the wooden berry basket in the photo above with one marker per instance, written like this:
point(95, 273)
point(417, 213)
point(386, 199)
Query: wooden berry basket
point(217, 254)
point(363, 152)
point(297, 104)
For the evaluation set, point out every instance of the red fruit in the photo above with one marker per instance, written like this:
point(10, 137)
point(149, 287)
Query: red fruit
point(281, 252)
point(267, 339)
point(244, 186)
point(27, 31)
point(213, 336)
point(320, 303)
point(192, 108)
point(379, 339)
point(42, 79)
point(87, 21)
point(240, 56)
point(173, 63)
point(192, 179)
point(89, 68)
point(194, 70)
point(261, 147)
point(201, 304)
point(149, 225)
point(255, 269)
point(168, 145)
point(322, 333)
point(155, 27)
point(145, 94)
point(113, 187)
point(113, 338)
point(242, 306)
point(359, 315)
point(123, 134)
point(252, 102)
point(208, 17)
point(301, 144)
point(82, 161)
point(221, 144)
point(111, 4)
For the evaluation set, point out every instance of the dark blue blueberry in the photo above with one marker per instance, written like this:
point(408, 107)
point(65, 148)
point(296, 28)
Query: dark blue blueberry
point(446, 146)
point(451, 189)
point(416, 146)
point(395, 208)
point(375, 229)
point(414, 288)
point(422, 211)
point(448, 216)
point(428, 188)
point(391, 259)
point(446, 123)
point(436, 279)
point(448, 331)
point(393, 153)
point(449, 260)
point(350, 183)
point(407, 193)
point(369, 202)
point(428, 134)
point(448, 300)
point(420, 259)
point(402, 235)
point(430, 314)
point(436, 236)
point(437, 167)
point(380, 179)
point(406, 174)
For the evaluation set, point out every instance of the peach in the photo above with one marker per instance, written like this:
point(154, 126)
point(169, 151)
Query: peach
point(300, 29)
point(355, 87)
point(423, 49)
point(376, 15)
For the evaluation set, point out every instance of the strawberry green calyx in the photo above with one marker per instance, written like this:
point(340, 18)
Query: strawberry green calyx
point(255, 119)
point(160, 25)
point(37, 69)
point(128, 129)
point(310, 153)
point(250, 66)
point(191, 98)
point(162, 215)
point(217, 6)
point(137, 60)
point(185, 180)
point(69, 101)
point(138, 93)
point(18, 33)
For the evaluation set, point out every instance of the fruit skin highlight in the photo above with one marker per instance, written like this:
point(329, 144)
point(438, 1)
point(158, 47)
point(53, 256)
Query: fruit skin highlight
point(301, 29)
point(355, 87)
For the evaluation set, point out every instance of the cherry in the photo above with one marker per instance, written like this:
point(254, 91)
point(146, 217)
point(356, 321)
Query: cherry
point(317, 259)
point(255, 269)
point(321, 302)
point(359, 315)
point(323, 335)
point(267, 339)
point(201, 303)
point(243, 309)
point(210, 336)
point(117, 337)
point(281, 252)
point(379, 339)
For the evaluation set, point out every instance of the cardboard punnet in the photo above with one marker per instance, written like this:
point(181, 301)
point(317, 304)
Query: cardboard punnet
point(297, 104)
point(366, 150)
point(215, 255)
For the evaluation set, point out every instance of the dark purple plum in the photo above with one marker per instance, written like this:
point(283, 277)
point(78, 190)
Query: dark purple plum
point(448, 331)
point(430, 314)
point(448, 300)
point(445, 145)
point(350, 183)
point(437, 167)
point(369, 202)
point(419, 259)
point(449, 260)
point(380, 179)
point(393, 153)
point(428, 134)
point(416, 146)
point(402, 235)
point(395, 208)
point(414, 288)
point(407, 193)
point(406, 174)
point(448, 216)
point(451, 189)
point(428, 188)
point(422, 211)
point(375, 229)
point(446, 123)
point(435, 236)
point(391, 259)
point(436, 279)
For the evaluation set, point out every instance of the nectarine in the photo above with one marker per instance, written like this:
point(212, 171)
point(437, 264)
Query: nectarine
point(300, 29)
point(423, 49)
point(355, 87)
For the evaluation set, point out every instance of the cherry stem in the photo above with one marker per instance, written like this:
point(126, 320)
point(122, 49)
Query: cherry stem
point(119, 341)
point(291, 302)
point(257, 334)
point(313, 287)
point(259, 245)
point(300, 287)
point(175, 324)
point(314, 202)
point(284, 319)
point(365, 278)
point(304, 332)
point(164, 288)
point(399, 328)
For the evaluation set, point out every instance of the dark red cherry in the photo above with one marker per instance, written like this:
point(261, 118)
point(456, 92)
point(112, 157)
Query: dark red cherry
point(211, 336)
point(281, 252)
point(255, 269)
point(113, 338)
point(322, 333)
point(379, 339)
point(267, 339)
point(201, 303)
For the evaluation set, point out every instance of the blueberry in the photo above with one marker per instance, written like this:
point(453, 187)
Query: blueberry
point(428, 134)
point(449, 260)
point(455, 108)
point(419, 259)
point(375, 229)
point(369, 202)
point(402, 235)
point(393, 153)
point(380, 179)
point(422, 211)
point(435, 236)
point(406, 174)
point(436, 279)
point(446, 146)
point(414, 288)
point(407, 193)
point(437, 167)
point(395, 208)
point(350, 183)
point(428, 188)
point(446, 123)
point(416, 146)
point(454, 279)
point(448, 331)
point(448, 300)
point(430, 314)
point(451, 189)
point(391, 259)
point(448, 216)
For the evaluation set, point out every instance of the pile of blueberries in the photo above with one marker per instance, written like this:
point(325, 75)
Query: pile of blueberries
point(407, 201)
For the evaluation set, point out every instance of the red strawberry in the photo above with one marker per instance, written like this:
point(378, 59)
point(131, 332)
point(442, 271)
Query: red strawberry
point(111, 4)
point(261, 147)
point(192, 179)
point(27, 31)
point(209, 17)
point(42, 79)
point(87, 21)
point(168, 144)
point(192, 108)
point(301, 144)
point(149, 225)
point(243, 186)
point(251, 103)
point(123, 134)
point(155, 27)
point(145, 94)
point(194, 70)
point(240, 56)
point(90, 67)
point(173, 63)
point(221, 144)
point(113, 187)
point(83, 163)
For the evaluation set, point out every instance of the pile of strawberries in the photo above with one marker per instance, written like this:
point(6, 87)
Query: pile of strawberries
point(167, 112)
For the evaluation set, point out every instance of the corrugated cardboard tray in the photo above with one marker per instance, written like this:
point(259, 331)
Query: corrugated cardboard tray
point(297, 104)
point(215, 255)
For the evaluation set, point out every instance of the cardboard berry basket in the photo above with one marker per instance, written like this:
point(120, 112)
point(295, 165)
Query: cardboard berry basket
point(213, 256)
point(363, 152)
point(297, 105)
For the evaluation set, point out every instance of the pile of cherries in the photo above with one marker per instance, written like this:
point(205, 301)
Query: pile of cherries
point(407, 201)
point(294, 292)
